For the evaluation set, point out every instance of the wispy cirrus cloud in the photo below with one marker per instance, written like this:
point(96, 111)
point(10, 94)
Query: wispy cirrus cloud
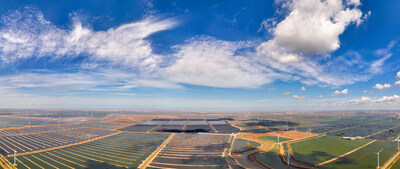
point(26, 33)
point(122, 57)
point(201, 60)
point(105, 80)
point(211, 62)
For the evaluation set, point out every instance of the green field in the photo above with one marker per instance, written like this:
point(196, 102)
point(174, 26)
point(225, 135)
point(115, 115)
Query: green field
point(241, 145)
point(366, 157)
point(253, 129)
point(396, 165)
point(126, 150)
point(321, 149)
point(272, 159)
point(273, 139)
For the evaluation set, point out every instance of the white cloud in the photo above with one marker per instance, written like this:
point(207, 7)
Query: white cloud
point(217, 63)
point(338, 93)
point(297, 97)
point(286, 93)
point(397, 76)
point(125, 44)
point(384, 86)
point(124, 94)
point(385, 100)
point(385, 54)
point(106, 80)
point(28, 34)
point(311, 27)
point(303, 88)
point(354, 2)
point(203, 60)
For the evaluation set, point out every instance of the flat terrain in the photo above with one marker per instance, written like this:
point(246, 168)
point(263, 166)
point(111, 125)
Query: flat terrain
point(194, 151)
point(272, 159)
point(103, 139)
point(125, 150)
point(366, 157)
point(25, 143)
point(318, 150)
point(273, 139)
point(241, 145)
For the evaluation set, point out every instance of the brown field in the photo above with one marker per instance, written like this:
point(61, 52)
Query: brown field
point(142, 117)
point(284, 134)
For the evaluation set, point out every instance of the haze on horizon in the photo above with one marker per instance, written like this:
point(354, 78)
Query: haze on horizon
point(200, 55)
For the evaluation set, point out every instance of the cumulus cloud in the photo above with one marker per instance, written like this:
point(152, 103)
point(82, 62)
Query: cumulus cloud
point(385, 100)
point(397, 76)
point(311, 27)
point(303, 88)
point(384, 86)
point(286, 93)
point(201, 60)
point(338, 93)
point(297, 97)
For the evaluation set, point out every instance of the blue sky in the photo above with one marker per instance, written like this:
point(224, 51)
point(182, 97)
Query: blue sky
point(205, 55)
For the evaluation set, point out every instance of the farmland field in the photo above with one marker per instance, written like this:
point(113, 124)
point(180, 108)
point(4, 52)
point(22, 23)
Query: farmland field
point(170, 128)
point(226, 128)
point(322, 128)
point(242, 145)
point(198, 128)
point(365, 157)
point(125, 150)
point(190, 150)
point(391, 134)
point(318, 150)
point(105, 125)
point(126, 141)
point(35, 142)
point(138, 128)
point(273, 139)
point(363, 130)
point(272, 159)
point(38, 129)
point(396, 165)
